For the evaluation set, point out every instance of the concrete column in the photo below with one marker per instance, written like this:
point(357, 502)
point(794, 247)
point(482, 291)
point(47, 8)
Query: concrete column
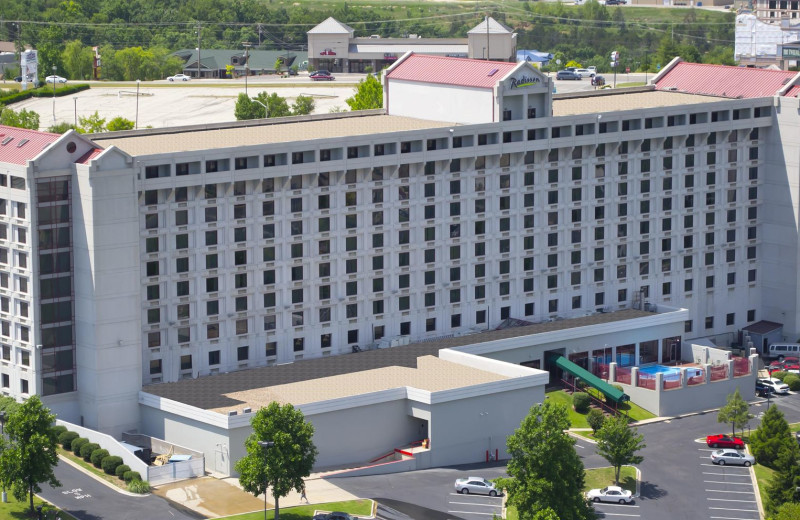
point(659, 381)
point(730, 368)
point(636, 358)
point(707, 369)
point(659, 349)
point(612, 372)
point(634, 372)
point(684, 379)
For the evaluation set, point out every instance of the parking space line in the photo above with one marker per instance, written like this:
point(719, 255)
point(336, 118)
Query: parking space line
point(470, 513)
point(729, 518)
point(727, 474)
point(470, 495)
point(729, 483)
point(726, 466)
point(617, 514)
point(473, 505)
point(727, 491)
point(734, 509)
point(613, 505)
point(731, 500)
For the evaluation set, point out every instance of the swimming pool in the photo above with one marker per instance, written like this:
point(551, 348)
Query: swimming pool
point(670, 373)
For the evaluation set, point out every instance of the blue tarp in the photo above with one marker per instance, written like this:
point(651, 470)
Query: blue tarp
point(534, 56)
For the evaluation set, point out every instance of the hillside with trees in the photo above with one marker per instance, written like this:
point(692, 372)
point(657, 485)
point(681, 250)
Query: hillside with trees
point(136, 37)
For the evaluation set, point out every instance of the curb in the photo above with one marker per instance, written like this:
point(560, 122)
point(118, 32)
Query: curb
point(102, 481)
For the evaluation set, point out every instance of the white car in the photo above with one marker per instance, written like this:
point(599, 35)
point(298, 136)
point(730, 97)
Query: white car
point(55, 79)
point(610, 494)
point(585, 73)
point(778, 386)
point(179, 77)
point(476, 485)
point(729, 456)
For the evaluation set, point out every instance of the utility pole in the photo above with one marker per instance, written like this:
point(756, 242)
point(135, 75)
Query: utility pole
point(246, 64)
point(199, 29)
point(487, 38)
point(259, 35)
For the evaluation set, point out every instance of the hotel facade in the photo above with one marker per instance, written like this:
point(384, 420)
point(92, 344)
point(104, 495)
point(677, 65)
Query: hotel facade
point(475, 196)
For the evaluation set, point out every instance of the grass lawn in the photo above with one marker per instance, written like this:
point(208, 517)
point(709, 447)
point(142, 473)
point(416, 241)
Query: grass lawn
point(19, 510)
point(763, 476)
point(578, 420)
point(629, 84)
point(602, 477)
point(354, 507)
point(88, 466)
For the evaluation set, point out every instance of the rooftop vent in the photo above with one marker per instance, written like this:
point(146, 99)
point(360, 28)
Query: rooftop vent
point(231, 413)
point(247, 410)
point(22, 143)
point(492, 72)
point(671, 88)
point(7, 140)
point(785, 81)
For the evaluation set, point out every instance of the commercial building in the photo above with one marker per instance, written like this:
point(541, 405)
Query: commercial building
point(144, 257)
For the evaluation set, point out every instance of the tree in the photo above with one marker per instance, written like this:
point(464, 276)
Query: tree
point(782, 487)
point(22, 119)
point(94, 124)
point(369, 94)
point(77, 60)
point(618, 444)
point(29, 454)
point(771, 435)
point(303, 105)
point(246, 108)
point(119, 123)
point(277, 105)
point(545, 469)
point(595, 418)
point(545, 514)
point(283, 466)
point(736, 412)
point(788, 511)
point(61, 128)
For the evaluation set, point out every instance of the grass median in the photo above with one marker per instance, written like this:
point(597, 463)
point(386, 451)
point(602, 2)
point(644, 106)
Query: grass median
point(357, 508)
point(19, 510)
point(578, 420)
point(88, 466)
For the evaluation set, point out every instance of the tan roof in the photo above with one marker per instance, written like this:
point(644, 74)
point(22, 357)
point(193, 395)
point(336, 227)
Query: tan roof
point(620, 100)
point(148, 143)
point(431, 374)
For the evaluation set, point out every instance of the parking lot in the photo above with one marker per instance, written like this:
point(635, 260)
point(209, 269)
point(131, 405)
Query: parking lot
point(474, 506)
point(729, 490)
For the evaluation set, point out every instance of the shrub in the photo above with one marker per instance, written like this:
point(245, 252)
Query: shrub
point(139, 486)
point(77, 444)
point(121, 470)
point(596, 418)
point(581, 402)
point(58, 430)
point(111, 463)
point(97, 457)
point(793, 381)
point(780, 375)
point(66, 439)
point(87, 450)
point(618, 387)
point(129, 476)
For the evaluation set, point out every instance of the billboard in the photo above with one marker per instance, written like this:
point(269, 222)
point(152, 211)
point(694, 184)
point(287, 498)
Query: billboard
point(29, 63)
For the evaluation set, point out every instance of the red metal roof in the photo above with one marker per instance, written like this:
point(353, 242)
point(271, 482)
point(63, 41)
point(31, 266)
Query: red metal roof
point(724, 80)
point(18, 145)
point(451, 71)
point(88, 156)
point(793, 92)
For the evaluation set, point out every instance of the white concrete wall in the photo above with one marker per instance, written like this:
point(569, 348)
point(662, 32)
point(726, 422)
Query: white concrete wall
point(109, 443)
point(439, 102)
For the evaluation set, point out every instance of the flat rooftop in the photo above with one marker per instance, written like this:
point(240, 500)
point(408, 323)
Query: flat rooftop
point(286, 130)
point(313, 380)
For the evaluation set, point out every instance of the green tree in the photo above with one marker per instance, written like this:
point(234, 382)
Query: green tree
point(770, 436)
point(735, 412)
point(28, 455)
point(545, 514)
point(787, 511)
point(119, 123)
point(246, 108)
point(283, 466)
point(618, 443)
point(368, 94)
point(93, 124)
point(276, 105)
point(782, 487)
point(61, 128)
point(303, 105)
point(77, 59)
point(23, 119)
point(595, 418)
point(545, 469)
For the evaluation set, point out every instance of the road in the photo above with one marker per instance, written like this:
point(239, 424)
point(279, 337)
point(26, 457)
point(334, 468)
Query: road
point(87, 499)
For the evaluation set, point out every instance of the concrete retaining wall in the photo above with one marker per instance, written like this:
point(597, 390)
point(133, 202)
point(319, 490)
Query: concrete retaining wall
point(109, 443)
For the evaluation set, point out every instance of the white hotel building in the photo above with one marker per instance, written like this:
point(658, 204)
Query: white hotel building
point(152, 256)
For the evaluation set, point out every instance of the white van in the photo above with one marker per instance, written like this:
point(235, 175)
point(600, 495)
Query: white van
point(783, 350)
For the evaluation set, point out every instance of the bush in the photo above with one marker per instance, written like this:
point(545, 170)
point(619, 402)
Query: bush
point(77, 444)
point(111, 463)
point(121, 470)
point(43, 91)
point(129, 476)
point(58, 430)
point(87, 450)
point(596, 418)
point(139, 486)
point(66, 439)
point(793, 381)
point(97, 457)
point(581, 402)
point(780, 375)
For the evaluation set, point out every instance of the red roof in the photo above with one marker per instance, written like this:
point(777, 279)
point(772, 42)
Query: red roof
point(724, 80)
point(451, 71)
point(793, 92)
point(18, 145)
point(88, 156)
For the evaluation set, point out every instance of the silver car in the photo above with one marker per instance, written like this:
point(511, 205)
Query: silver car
point(476, 485)
point(729, 456)
point(778, 386)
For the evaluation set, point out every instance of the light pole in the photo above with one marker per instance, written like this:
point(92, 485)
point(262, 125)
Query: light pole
point(54, 93)
point(3, 434)
point(266, 445)
point(246, 64)
point(266, 109)
point(136, 124)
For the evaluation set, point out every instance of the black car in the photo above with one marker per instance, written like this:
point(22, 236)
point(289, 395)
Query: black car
point(18, 79)
point(616, 2)
point(598, 81)
point(763, 390)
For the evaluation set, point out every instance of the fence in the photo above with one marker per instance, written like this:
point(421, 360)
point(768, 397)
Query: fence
point(741, 366)
point(644, 381)
point(719, 372)
point(601, 370)
point(623, 375)
point(699, 379)
point(670, 384)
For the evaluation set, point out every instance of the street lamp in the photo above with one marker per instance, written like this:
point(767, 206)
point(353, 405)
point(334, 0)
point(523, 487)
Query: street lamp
point(266, 445)
point(246, 64)
point(136, 124)
point(54, 93)
point(266, 109)
point(3, 433)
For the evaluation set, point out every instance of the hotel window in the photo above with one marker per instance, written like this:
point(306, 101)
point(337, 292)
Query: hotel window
point(212, 307)
point(184, 335)
point(212, 331)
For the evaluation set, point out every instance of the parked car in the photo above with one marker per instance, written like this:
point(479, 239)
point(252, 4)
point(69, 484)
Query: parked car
point(18, 79)
point(610, 494)
point(476, 485)
point(179, 77)
point(723, 457)
point(763, 390)
point(585, 73)
point(336, 515)
point(55, 79)
point(567, 74)
point(616, 2)
point(598, 81)
point(724, 441)
point(321, 75)
point(777, 386)
point(787, 365)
